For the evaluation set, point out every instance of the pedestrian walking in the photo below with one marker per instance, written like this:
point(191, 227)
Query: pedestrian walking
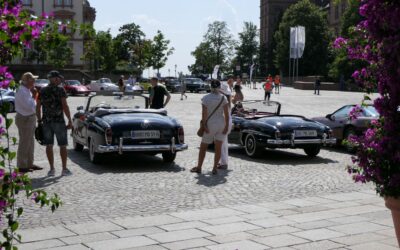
point(277, 81)
point(223, 162)
point(157, 93)
point(183, 89)
point(317, 86)
point(238, 81)
point(121, 85)
point(51, 107)
point(215, 121)
point(267, 88)
point(25, 119)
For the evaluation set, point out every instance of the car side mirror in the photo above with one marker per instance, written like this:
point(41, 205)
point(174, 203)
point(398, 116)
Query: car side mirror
point(79, 108)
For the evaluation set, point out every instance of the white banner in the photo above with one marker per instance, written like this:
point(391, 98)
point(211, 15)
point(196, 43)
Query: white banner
point(251, 72)
point(215, 72)
point(297, 41)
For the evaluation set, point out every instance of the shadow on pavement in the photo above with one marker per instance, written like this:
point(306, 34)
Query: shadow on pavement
point(210, 180)
point(278, 157)
point(45, 181)
point(127, 163)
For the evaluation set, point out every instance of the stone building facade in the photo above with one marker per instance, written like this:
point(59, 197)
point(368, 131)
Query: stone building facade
point(65, 11)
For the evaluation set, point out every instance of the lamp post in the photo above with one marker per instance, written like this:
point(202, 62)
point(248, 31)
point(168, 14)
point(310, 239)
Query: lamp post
point(175, 69)
point(169, 72)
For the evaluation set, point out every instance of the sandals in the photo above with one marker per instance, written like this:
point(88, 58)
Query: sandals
point(196, 170)
point(214, 171)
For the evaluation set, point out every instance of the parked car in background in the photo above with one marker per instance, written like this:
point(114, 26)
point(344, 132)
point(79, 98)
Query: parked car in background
point(122, 124)
point(343, 127)
point(258, 125)
point(133, 88)
point(7, 96)
point(41, 83)
point(74, 87)
point(173, 85)
point(196, 85)
point(103, 84)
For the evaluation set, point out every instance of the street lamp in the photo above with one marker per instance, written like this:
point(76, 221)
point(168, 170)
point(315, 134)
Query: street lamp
point(175, 69)
point(169, 72)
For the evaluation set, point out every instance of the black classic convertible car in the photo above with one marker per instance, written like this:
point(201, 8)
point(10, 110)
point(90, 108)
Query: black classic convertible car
point(258, 125)
point(122, 124)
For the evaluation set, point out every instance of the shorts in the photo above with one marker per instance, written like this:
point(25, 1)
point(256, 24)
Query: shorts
point(215, 134)
point(55, 128)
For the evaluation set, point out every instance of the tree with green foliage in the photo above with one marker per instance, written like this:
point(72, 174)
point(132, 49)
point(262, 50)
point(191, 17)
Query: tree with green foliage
point(248, 47)
point(342, 66)
point(159, 51)
point(218, 43)
point(130, 35)
point(318, 36)
point(105, 59)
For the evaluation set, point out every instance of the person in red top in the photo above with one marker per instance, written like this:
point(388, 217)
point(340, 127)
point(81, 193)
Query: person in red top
point(268, 88)
point(277, 81)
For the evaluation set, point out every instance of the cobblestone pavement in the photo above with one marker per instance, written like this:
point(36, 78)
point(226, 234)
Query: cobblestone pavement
point(143, 185)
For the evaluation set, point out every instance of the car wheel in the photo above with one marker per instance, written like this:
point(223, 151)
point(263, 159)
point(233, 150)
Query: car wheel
point(168, 157)
point(77, 146)
point(312, 151)
point(94, 157)
point(348, 132)
point(251, 146)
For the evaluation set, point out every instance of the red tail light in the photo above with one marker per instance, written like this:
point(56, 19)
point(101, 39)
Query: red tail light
point(181, 135)
point(108, 135)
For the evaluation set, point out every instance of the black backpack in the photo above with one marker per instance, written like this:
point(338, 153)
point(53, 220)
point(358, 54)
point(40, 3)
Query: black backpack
point(39, 134)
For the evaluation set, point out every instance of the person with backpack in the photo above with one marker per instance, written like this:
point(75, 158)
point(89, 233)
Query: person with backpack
point(268, 88)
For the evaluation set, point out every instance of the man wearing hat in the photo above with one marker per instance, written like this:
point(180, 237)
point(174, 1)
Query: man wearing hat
point(25, 120)
point(53, 101)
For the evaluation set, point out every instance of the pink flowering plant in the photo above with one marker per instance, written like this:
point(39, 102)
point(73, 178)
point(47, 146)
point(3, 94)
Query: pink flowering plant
point(18, 29)
point(375, 40)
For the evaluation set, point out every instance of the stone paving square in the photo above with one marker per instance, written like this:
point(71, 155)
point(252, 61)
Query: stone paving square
point(178, 235)
point(93, 227)
point(318, 234)
point(179, 245)
point(318, 245)
point(146, 221)
point(281, 240)
point(37, 234)
point(122, 243)
point(242, 245)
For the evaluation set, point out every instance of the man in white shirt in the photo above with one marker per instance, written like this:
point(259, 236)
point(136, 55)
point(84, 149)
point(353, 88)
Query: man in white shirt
point(25, 106)
point(223, 162)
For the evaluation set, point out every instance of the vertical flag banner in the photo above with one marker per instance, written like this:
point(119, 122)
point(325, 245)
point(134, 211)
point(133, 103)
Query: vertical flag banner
point(215, 72)
point(293, 42)
point(301, 40)
point(251, 71)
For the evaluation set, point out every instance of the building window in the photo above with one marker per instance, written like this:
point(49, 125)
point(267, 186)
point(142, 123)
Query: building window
point(27, 2)
point(62, 3)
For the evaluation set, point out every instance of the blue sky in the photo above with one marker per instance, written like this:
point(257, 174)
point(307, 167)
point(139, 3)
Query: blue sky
point(183, 22)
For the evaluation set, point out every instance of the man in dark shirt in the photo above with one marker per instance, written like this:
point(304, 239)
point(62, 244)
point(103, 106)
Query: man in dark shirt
point(317, 86)
point(157, 93)
point(53, 101)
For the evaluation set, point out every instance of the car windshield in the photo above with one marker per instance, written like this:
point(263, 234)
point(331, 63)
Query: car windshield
point(73, 82)
point(116, 102)
point(257, 107)
point(105, 80)
point(193, 80)
point(370, 111)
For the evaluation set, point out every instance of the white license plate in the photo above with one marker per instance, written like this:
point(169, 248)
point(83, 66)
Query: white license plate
point(145, 134)
point(305, 133)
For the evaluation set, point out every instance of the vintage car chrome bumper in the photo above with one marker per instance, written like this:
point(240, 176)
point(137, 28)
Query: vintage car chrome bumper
point(121, 148)
point(293, 142)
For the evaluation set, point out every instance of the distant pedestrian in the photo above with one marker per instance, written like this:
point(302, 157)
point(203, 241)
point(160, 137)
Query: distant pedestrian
point(238, 81)
point(267, 88)
point(317, 86)
point(277, 81)
point(51, 107)
point(121, 85)
point(25, 106)
point(183, 89)
point(230, 83)
point(342, 83)
point(215, 115)
point(157, 93)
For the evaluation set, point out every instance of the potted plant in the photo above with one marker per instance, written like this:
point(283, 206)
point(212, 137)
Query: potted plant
point(375, 40)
